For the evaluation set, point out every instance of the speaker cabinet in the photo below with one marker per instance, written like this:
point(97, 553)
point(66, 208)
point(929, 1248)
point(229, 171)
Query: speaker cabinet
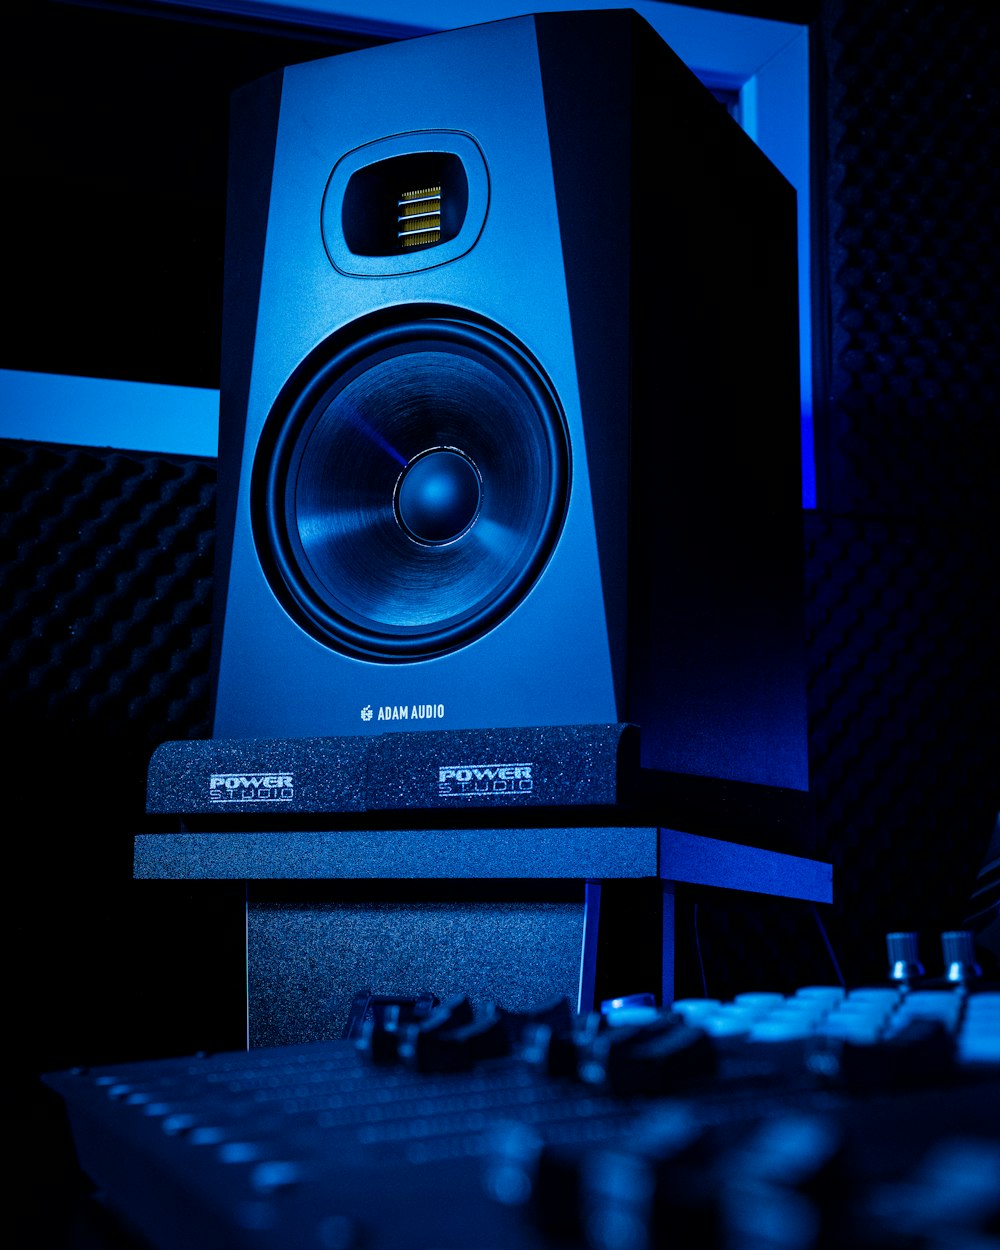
point(510, 402)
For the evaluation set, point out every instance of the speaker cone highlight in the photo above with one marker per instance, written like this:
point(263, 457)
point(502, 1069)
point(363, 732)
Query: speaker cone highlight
point(409, 487)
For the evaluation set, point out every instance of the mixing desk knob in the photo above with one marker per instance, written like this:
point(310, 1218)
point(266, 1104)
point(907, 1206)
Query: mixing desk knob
point(904, 958)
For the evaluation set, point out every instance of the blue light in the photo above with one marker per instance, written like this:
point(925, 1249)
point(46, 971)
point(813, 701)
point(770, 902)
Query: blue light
point(373, 436)
point(494, 537)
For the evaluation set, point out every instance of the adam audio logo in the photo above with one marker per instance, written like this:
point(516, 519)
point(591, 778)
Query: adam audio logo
point(491, 781)
point(403, 711)
point(251, 787)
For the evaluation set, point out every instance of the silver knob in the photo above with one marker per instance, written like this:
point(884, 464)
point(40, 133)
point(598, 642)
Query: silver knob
point(904, 957)
point(959, 950)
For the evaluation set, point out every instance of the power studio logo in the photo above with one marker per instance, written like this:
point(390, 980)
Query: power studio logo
point(491, 781)
point(251, 787)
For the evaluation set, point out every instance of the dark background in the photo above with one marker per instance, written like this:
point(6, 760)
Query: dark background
point(113, 238)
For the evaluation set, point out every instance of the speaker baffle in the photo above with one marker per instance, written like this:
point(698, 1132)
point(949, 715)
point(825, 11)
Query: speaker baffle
point(409, 487)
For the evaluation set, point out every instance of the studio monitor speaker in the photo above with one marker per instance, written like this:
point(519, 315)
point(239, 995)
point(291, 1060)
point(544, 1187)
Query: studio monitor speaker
point(510, 401)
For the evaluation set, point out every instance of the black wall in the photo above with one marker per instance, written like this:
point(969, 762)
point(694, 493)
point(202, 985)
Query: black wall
point(106, 557)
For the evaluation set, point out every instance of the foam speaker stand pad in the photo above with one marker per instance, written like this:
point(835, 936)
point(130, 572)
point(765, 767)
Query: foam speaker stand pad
point(545, 766)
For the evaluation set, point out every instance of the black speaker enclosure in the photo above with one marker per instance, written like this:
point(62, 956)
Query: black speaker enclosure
point(613, 302)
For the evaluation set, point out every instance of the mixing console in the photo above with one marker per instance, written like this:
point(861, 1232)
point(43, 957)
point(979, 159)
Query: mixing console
point(824, 1119)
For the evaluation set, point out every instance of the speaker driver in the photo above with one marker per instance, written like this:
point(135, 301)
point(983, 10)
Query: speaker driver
point(409, 486)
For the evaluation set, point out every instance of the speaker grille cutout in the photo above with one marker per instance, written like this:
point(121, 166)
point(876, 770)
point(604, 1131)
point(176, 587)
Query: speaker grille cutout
point(404, 203)
point(409, 487)
point(420, 217)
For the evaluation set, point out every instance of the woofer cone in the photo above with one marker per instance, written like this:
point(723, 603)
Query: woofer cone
point(409, 486)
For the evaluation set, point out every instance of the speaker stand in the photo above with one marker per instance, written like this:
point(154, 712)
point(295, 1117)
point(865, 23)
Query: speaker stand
point(507, 914)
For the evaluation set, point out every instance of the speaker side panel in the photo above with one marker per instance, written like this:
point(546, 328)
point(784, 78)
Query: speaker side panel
point(549, 661)
point(679, 246)
point(719, 678)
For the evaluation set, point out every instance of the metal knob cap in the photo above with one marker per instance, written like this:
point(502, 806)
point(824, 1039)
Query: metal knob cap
point(904, 957)
point(959, 950)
